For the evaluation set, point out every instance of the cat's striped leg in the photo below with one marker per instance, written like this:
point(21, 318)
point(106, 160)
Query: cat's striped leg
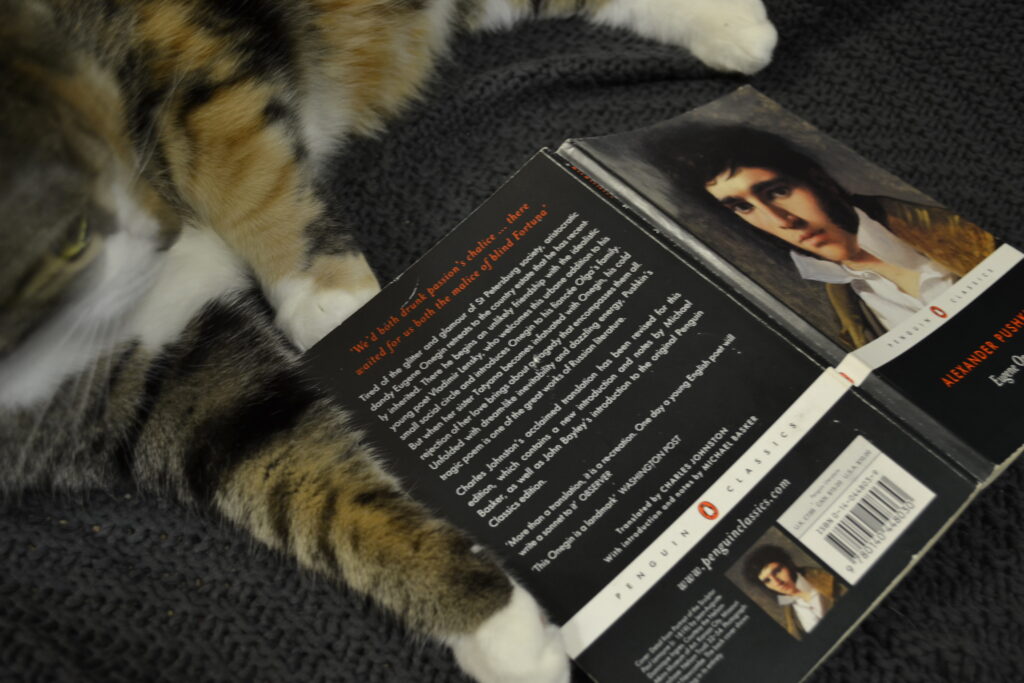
point(321, 497)
point(226, 419)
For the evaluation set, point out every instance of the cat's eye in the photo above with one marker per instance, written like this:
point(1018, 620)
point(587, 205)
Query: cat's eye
point(77, 241)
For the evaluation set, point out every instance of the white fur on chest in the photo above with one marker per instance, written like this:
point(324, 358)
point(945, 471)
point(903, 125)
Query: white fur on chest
point(199, 268)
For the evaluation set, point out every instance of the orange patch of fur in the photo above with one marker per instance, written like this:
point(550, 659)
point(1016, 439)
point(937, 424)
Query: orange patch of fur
point(246, 182)
point(346, 271)
point(380, 56)
point(180, 45)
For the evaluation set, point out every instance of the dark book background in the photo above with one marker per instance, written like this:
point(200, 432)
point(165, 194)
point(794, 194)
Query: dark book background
point(104, 588)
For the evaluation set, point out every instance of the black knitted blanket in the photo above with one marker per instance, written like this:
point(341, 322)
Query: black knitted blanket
point(120, 587)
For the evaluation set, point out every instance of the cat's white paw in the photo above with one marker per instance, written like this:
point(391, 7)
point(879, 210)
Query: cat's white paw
point(306, 314)
point(734, 41)
point(515, 645)
point(728, 35)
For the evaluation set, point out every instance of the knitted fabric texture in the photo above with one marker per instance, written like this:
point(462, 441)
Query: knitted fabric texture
point(120, 587)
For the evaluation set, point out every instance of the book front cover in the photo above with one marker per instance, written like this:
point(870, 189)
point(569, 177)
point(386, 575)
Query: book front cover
point(877, 277)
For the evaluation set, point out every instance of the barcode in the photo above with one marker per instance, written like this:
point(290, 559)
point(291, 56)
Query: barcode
point(881, 509)
point(856, 510)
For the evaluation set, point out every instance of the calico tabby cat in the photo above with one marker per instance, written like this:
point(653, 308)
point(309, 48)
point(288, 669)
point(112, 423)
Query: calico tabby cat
point(159, 158)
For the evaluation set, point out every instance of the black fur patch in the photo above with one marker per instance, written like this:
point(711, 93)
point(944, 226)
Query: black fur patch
point(220, 326)
point(377, 498)
point(325, 526)
point(124, 456)
point(259, 28)
point(225, 441)
point(279, 508)
point(195, 95)
point(326, 236)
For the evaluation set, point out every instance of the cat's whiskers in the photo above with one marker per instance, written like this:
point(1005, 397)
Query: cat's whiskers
point(30, 446)
point(85, 381)
point(88, 328)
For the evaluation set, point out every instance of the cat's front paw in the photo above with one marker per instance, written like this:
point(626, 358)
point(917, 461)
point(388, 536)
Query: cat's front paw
point(728, 35)
point(734, 37)
point(515, 645)
point(307, 313)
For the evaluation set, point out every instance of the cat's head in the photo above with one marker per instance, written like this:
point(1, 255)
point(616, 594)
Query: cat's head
point(81, 234)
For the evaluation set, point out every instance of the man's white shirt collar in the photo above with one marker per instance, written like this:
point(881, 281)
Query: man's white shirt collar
point(890, 304)
point(802, 585)
point(873, 238)
point(808, 612)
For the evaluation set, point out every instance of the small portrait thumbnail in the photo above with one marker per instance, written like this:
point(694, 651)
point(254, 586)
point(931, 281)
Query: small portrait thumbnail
point(787, 583)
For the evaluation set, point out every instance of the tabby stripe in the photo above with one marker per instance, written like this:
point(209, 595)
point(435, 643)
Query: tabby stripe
point(377, 498)
point(479, 581)
point(408, 5)
point(119, 365)
point(219, 323)
point(225, 441)
point(198, 92)
point(325, 526)
point(279, 509)
point(260, 28)
point(124, 457)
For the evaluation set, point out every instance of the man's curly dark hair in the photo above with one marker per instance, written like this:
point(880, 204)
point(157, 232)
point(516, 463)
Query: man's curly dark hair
point(761, 558)
point(693, 155)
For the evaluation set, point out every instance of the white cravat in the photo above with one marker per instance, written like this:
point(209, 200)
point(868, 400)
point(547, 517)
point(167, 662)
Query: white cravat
point(808, 612)
point(882, 296)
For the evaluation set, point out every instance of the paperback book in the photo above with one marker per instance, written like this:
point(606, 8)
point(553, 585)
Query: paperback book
point(708, 388)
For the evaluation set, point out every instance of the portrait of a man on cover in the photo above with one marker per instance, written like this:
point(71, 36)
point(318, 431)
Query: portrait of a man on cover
point(803, 594)
point(879, 259)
